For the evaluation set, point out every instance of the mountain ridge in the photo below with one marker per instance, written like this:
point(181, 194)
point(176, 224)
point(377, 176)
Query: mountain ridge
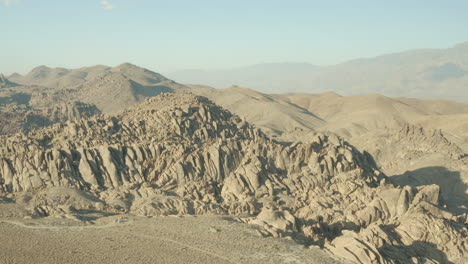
point(420, 73)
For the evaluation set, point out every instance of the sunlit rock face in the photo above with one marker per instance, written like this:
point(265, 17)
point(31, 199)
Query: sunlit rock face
point(177, 154)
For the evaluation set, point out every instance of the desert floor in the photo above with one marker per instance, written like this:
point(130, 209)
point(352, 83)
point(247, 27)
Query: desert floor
point(188, 239)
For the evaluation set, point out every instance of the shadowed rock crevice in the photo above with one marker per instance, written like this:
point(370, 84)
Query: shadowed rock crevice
point(416, 252)
point(454, 190)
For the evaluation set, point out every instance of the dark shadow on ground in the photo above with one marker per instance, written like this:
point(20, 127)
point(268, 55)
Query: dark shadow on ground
point(326, 231)
point(143, 91)
point(305, 111)
point(15, 98)
point(6, 200)
point(397, 251)
point(453, 189)
point(91, 215)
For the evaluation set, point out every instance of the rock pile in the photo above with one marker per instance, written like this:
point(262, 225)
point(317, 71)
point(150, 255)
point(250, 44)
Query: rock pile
point(421, 140)
point(24, 108)
point(182, 154)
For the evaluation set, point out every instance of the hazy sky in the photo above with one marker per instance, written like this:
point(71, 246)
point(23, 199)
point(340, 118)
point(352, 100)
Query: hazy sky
point(177, 34)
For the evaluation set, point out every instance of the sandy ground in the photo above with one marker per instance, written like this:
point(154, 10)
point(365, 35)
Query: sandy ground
point(202, 239)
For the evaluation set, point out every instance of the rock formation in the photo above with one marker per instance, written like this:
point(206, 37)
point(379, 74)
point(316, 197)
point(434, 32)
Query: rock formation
point(5, 83)
point(26, 108)
point(415, 156)
point(182, 154)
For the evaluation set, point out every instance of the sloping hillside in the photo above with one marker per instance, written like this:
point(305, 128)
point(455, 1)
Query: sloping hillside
point(272, 114)
point(353, 115)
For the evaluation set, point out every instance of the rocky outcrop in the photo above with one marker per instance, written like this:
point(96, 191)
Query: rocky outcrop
point(5, 83)
point(19, 117)
point(427, 140)
point(24, 108)
point(416, 156)
point(409, 143)
point(182, 154)
point(70, 111)
point(195, 138)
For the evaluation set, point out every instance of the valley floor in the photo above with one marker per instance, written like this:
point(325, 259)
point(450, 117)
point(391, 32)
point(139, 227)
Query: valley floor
point(201, 239)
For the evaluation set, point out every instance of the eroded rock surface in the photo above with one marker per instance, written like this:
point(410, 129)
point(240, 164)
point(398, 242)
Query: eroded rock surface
point(182, 154)
point(24, 108)
point(415, 156)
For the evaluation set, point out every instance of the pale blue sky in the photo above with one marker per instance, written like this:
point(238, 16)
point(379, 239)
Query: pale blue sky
point(178, 34)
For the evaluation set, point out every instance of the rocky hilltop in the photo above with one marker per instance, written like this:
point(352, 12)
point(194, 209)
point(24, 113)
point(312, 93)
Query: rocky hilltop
point(178, 154)
point(46, 96)
point(61, 78)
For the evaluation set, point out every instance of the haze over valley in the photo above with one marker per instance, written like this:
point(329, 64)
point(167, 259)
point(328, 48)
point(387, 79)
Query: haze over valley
point(421, 73)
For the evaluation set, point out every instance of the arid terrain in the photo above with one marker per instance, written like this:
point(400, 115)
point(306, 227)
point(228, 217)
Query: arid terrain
point(163, 239)
point(123, 165)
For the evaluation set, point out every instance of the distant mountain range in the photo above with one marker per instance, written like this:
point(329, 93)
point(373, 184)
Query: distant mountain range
point(423, 73)
point(267, 78)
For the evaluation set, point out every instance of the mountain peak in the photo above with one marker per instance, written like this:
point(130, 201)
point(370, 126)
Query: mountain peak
point(15, 75)
point(139, 74)
point(39, 72)
point(40, 68)
point(126, 65)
